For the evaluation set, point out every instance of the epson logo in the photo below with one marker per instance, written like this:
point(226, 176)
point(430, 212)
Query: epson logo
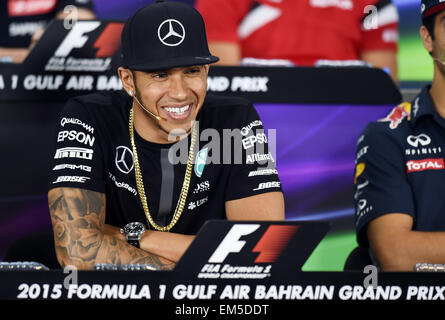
point(77, 136)
point(249, 142)
point(79, 153)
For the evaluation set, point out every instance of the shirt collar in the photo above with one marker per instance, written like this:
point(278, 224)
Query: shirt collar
point(422, 105)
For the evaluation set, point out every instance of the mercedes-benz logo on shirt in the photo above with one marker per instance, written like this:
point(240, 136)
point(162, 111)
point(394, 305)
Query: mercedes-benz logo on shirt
point(171, 32)
point(422, 138)
point(124, 159)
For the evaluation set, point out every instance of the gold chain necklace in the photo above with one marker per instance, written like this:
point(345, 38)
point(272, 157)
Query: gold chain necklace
point(140, 184)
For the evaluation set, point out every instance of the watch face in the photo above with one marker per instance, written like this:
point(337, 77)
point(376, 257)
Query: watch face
point(134, 228)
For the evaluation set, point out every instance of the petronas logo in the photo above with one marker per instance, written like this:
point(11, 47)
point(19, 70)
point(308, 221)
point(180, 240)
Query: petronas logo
point(200, 162)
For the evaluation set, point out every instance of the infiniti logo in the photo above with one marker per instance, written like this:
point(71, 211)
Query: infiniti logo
point(171, 32)
point(361, 205)
point(422, 138)
point(124, 159)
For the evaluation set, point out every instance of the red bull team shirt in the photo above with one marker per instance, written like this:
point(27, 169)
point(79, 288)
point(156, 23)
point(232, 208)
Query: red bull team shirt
point(400, 167)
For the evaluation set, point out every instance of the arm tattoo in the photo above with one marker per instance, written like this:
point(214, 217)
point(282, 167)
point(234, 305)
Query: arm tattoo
point(78, 217)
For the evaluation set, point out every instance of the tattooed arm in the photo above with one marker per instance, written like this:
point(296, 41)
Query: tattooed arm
point(78, 218)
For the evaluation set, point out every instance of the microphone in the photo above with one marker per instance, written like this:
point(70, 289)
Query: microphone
point(440, 61)
point(145, 109)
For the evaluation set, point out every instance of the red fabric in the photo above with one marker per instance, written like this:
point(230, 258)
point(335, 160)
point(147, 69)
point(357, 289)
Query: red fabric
point(19, 8)
point(303, 33)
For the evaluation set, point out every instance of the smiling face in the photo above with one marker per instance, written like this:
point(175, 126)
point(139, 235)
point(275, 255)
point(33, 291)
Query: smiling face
point(435, 43)
point(438, 45)
point(175, 95)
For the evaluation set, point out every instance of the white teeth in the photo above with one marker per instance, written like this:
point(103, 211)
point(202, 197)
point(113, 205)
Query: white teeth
point(178, 110)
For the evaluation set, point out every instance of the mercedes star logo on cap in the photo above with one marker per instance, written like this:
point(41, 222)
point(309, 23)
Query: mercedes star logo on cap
point(171, 32)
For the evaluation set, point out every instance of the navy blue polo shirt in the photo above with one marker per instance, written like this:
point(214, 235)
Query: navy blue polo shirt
point(400, 167)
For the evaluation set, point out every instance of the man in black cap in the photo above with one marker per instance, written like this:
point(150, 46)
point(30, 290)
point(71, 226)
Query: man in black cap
point(400, 170)
point(131, 160)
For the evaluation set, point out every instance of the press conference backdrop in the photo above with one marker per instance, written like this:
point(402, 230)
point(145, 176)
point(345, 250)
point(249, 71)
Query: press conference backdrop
point(317, 115)
point(414, 62)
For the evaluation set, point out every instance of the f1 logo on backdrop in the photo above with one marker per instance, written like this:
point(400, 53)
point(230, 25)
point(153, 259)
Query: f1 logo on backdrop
point(270, 246)
point(107, 43)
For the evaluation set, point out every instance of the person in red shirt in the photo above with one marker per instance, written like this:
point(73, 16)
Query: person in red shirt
point(303, 33)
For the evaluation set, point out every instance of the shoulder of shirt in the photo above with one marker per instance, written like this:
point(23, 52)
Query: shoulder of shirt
point(394, 127)
point(397, 120)
point(103, 101)
point(222, 101)
point(226, 112)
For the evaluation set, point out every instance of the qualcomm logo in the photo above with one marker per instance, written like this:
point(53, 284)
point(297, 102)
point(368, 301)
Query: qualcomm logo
point(200, 162)
point(124, 159)
point(171, 32)
point(422, 138)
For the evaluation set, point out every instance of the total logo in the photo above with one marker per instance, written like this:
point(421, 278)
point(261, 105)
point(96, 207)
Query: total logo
point(107, 43)
point(425, 164)
point(269, 248)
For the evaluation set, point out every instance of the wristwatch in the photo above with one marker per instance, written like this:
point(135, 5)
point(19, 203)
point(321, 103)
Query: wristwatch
point(133, 232)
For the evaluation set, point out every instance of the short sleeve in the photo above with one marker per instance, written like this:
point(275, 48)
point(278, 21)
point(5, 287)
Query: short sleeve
point(380, 183)
point(380, 29)
point(222, 18)
point(254, 172)
point(77, 159)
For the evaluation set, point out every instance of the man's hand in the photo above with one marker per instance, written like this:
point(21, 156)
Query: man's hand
point(398, 248)
point(265, 206)
point(78, 218)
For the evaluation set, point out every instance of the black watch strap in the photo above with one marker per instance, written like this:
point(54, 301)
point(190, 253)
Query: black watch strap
point(134, 242)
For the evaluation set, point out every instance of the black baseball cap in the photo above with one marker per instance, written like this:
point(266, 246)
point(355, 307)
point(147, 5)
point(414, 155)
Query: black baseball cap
point(165, 35)
point(430, 7)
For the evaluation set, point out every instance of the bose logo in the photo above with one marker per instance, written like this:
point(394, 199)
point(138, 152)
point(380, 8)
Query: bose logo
point(270, 246)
